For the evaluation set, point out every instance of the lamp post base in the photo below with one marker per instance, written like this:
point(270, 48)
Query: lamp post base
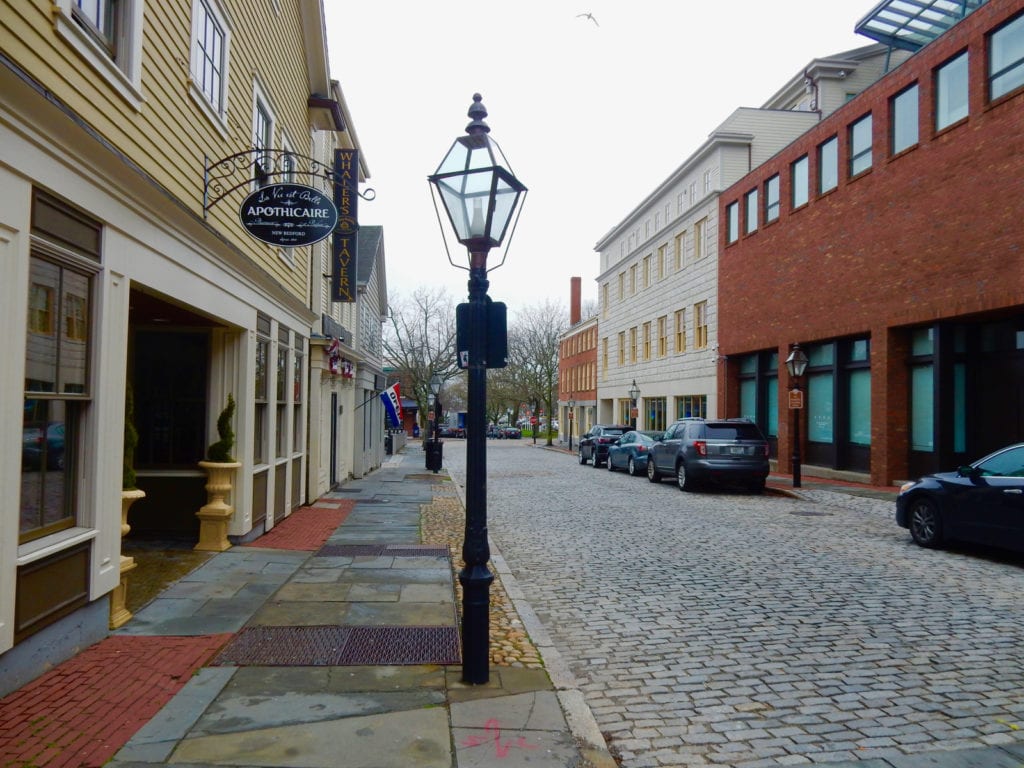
point(476, 584)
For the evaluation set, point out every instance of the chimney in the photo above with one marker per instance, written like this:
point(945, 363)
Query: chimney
point(575, 289)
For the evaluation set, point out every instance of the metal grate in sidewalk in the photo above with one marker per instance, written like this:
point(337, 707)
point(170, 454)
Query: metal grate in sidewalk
point(320, 646)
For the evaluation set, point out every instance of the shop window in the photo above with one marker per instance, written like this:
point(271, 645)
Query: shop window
point(260, 426)
point(692, 406)
point(951, 92)
point(1006, 59)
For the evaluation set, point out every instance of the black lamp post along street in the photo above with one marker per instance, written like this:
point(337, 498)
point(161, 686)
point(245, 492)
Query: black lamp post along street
point(480, 195)
point(634, 396)
point(796, 364)
point(572, 418)
point(435, 398)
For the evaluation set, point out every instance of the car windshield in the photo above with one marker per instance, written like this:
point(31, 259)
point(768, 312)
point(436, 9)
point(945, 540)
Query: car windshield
point(733, 432)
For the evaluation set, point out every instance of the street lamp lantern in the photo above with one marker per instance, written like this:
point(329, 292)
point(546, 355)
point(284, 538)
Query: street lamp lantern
point(476, 187)
point(482, 198)
point(634, 396)
point(435, 384)
point(796, 364)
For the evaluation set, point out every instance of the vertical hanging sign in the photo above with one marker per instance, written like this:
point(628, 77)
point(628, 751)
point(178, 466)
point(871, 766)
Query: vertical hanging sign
point(346, 198)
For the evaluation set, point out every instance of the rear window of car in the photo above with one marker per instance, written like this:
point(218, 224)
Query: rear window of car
point(733, 432)
point(611, 432)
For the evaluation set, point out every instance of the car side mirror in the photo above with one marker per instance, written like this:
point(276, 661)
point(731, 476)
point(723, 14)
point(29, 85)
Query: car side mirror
point(617, 442)
point(968, 471)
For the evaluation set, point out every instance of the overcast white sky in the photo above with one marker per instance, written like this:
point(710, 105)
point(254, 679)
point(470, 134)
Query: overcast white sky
point(592, 117)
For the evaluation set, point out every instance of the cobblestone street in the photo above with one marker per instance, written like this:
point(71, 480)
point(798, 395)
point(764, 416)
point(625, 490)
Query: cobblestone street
point(718, 628)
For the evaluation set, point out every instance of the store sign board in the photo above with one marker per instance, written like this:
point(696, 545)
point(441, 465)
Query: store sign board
point(288, 215)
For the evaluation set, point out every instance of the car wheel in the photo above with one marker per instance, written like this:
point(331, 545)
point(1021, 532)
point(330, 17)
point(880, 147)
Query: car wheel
point(597, 463)
point(683, 480)
point(632, 467)
point(925, 523)
point(611, 467)
point(583, 459)
point(757, 486)
point(652, 471)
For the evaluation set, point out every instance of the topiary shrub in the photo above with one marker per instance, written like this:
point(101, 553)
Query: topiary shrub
point(131, 439)
point(220, 451)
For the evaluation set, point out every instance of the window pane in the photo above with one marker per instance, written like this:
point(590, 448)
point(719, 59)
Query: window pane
point(732, 214)
point(828, 165)
point(951, 92)
point(819, 408)
point(41, 344)
point(904, 120)
point(922, 409)
point(46, 500)
point(771, 201)
point(74, 345)
point(860, 146)
point(772, 399)
point(921, 342)
point(751, 211)
point(801, 186)
point(959, 407)
point(748, 399)
point(1006, 59)
point(860, 407)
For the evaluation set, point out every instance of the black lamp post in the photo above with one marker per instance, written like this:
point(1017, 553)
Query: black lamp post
point(480, 195)
point(572, 418)
point(435, 391)
point(796, 364)
point(634, 395)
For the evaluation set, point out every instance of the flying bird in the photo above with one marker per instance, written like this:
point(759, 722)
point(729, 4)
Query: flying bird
point(587, 16)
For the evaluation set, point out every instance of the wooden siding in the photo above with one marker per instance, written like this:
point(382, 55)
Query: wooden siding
point(169, 136)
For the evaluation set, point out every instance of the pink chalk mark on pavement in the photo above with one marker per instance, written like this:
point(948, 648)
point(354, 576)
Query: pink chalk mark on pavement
point(501, 748)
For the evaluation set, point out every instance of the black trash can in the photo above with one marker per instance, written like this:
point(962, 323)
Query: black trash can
point(389, 445)
point(434, 450)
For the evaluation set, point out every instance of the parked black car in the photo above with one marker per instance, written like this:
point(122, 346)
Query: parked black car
point(510, 433)
point(723, 451)
point(981, 503)
point(593, 446)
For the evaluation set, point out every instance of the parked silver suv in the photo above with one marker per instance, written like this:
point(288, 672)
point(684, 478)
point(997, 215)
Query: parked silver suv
point(722, 451)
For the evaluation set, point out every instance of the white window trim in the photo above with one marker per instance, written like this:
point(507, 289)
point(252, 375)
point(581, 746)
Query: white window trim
point(219, 12)
point(123, 75)
point(259, 96)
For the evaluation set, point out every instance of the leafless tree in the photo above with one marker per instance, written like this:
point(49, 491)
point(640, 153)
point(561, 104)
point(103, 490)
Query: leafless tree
point(533, 354)
point(419, 340)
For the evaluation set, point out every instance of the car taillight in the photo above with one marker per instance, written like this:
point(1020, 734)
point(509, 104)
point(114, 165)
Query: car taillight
point(641, 449)
point(767, 453)
point(701, 447)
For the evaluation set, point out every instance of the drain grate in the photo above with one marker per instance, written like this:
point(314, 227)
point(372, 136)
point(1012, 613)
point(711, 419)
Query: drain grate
point(402, 645)
point(380, 550)
point(285, 647)
point(321, 646)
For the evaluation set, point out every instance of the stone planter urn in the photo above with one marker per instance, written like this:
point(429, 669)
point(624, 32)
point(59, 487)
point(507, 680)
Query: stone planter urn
point(119, 613)
point(215, 515)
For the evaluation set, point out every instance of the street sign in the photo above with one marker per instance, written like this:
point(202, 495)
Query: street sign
point(796, 399)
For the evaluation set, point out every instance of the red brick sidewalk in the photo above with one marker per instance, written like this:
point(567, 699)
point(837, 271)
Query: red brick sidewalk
point(83, 711)
point(307, 528)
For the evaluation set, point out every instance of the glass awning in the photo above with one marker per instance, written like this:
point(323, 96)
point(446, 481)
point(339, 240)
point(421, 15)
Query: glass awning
point(912, 24)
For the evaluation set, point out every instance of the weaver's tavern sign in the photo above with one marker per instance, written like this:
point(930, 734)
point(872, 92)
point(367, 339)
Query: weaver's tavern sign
point(288, 215)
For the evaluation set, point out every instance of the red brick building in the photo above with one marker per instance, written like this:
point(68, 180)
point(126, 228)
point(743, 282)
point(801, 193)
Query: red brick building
point(577, 370)
point(888, 241)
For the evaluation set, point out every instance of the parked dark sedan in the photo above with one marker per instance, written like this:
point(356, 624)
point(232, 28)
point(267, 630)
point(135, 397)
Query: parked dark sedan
point(630, 452)
point(593, 446)
point(981, 503)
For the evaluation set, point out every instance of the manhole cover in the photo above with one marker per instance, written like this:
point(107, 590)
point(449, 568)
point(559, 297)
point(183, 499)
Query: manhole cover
point(322, 646)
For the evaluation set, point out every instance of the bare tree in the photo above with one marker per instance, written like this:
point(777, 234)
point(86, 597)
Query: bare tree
point(419, 340)
point(533, 354)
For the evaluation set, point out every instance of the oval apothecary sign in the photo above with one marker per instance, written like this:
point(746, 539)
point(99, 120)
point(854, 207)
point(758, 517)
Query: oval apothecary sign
point(288, 215)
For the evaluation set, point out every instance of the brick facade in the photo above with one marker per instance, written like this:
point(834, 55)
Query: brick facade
point(924, 236)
